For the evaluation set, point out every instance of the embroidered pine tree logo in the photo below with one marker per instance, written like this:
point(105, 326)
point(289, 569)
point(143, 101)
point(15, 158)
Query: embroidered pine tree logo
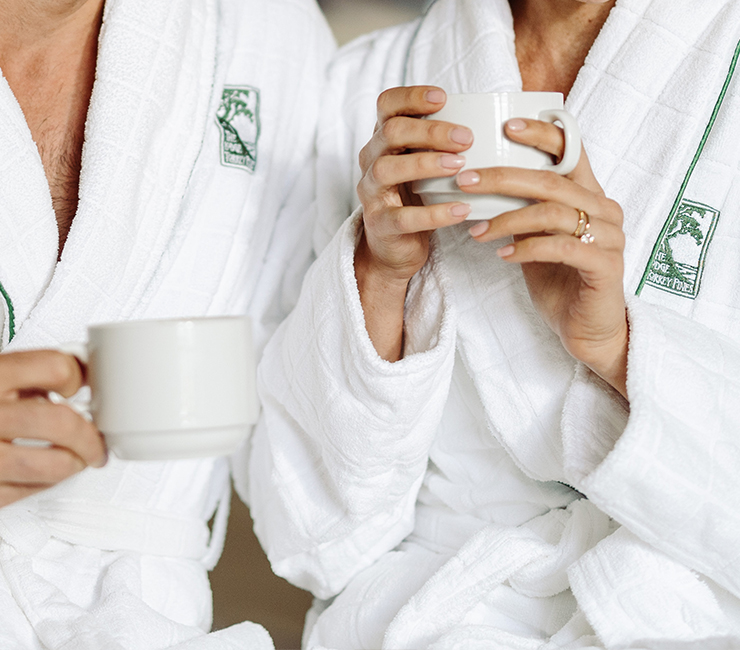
point(678, 262)
point(238, 118)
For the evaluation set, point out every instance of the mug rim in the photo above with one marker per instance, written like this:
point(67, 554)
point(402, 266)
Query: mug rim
point(166, 322)
point(505, 93)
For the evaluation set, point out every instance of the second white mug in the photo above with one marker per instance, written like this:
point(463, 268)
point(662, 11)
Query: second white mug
point(485, 115)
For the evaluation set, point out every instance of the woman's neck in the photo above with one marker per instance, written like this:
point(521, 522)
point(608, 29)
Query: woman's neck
point(553, 38)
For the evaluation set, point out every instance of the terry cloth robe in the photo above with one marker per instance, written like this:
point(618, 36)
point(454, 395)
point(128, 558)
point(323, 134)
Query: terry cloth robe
point(488, 491)
point(194, 193)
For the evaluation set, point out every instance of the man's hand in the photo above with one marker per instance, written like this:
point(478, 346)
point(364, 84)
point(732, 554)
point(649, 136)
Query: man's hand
point(25, 412)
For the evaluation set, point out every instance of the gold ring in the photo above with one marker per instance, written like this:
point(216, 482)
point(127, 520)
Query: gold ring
point(582, 229)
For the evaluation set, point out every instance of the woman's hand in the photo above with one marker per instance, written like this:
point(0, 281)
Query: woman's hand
point(576, 286)
point(395, 240)
point(25, 412)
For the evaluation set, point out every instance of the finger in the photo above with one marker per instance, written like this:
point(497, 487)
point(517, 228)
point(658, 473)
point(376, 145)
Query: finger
point(550, 138)
point(42, 370)
point(390, 171)
point(549, 218)
point(539, 186)
point(409, 100)
point(57, 423)
point(414, 219)
point(594, 263)
point(34, 466)
point(400, 134)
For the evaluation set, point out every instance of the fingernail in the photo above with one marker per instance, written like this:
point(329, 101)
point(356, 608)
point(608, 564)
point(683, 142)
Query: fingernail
point(505, 251)
point(461, 135)
point(435, 96)
point(451, 161)
point(478, 229)
point(516, 124)
point(460, 210)
point(468, 178)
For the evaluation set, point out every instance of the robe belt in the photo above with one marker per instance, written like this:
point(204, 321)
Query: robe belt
point(28, 525)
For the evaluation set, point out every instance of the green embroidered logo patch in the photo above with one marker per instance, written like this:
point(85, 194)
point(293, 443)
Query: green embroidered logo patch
point(678, 259)
point(238, 116)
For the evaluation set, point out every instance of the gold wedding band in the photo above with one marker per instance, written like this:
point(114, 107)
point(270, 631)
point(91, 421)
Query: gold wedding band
point(582, 229)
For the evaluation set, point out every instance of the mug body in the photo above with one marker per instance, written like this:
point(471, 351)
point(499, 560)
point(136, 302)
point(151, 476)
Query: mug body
point(485, 115)
point(179, 388)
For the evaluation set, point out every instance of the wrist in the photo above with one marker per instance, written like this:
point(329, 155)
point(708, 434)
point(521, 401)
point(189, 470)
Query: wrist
point(611, 364)
point(382, 296)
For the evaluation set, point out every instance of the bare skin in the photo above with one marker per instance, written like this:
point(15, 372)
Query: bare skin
point(577, 288)
point(48, 50)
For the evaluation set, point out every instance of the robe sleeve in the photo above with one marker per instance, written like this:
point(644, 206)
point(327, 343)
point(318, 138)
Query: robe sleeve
point(343, 443)
point(667, 466)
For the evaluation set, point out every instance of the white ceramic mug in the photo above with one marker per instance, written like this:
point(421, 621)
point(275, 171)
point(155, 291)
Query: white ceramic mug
point(168, 389)
point(485, 115)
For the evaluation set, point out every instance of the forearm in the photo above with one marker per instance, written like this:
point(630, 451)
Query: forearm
point(382, 298)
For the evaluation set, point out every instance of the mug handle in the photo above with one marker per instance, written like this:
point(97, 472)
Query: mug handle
point(572, 153)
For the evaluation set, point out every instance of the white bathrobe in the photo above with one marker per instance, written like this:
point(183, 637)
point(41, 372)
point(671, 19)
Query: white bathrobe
point(194, 194)
point(487, 490)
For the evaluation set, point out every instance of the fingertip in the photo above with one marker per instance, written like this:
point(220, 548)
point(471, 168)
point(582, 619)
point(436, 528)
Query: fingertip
point(505, 251)
point(101, 461)
point(516, 124)
point(479, 229)
point(460, 210)
point(435, 96)
point(468, 178)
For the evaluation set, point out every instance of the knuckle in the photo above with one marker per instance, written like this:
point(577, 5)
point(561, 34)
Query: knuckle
point(399, 220)
point(61, 368)
point(437, 132)
point(379, 171)
point(364, 157)
point(391, 131)
point(384, 100)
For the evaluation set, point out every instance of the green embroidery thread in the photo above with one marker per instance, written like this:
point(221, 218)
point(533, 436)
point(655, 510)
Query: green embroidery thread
point(679, 202)
point(679, 263)
point(238, 118)
point(11, 313)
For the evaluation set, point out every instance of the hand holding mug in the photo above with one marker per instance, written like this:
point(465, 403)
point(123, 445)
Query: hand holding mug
point(396, 227)
point(67, 443)
point(570, 244)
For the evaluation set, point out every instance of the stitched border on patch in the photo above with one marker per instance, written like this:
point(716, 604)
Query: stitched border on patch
point(692, 166)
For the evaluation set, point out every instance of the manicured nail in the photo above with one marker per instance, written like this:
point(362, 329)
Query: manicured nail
point(460, 210)
point(505, 251)
point(516, 124)
point(435, 96)
point(478, 229)
point(468, 178)
point(461, 135)
point(451, 161)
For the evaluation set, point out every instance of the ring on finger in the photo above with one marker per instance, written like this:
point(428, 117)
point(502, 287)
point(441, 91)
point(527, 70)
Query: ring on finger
point(582, 228)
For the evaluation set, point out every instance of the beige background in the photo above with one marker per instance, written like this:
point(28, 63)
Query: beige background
point(244, 587)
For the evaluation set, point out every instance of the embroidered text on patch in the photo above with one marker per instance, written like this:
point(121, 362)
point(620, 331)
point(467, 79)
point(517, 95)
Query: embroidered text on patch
point(239, 120)
point(678, 263)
